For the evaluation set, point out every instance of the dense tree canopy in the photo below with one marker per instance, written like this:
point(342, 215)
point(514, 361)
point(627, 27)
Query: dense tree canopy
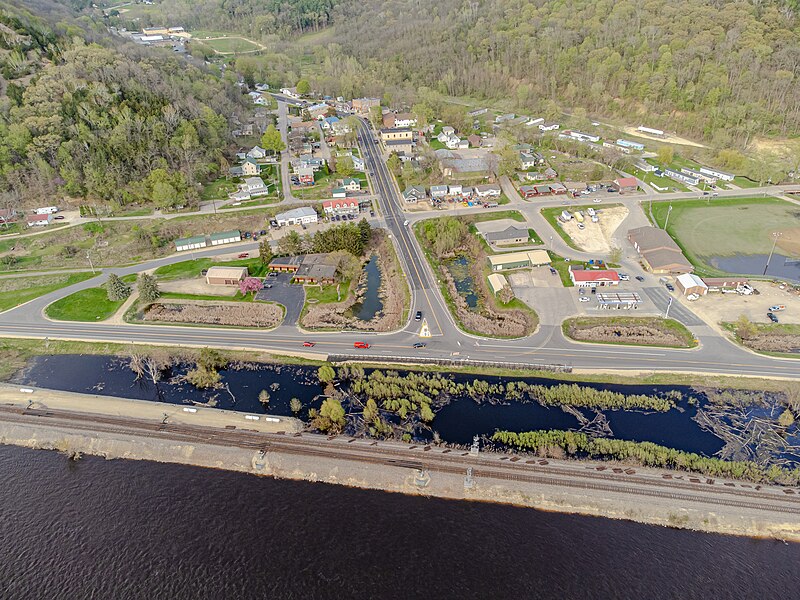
point(120, 125)
point(711, 67)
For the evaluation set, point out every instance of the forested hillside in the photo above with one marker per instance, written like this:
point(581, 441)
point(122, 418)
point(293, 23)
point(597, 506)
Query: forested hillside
point(254, 18)
point(111, 121)
point(724, 70)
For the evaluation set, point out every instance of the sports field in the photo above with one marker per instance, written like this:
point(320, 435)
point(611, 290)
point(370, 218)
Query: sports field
point(231, 45)
point(731, 226)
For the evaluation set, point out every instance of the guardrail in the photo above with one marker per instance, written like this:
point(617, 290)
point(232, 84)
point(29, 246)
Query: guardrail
point(456, 362)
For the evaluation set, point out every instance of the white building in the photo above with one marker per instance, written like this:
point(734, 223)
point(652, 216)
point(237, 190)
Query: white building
point(257, 152)
point(299, 216)
point(548, 126)
point(718, 174)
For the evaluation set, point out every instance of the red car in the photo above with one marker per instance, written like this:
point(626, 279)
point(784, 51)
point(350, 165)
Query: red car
point(363, 345)
point(244, 255)
point(309, 344)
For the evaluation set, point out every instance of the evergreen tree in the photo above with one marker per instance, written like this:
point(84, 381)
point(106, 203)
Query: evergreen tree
point(117, 289)
point(265, 251)
point(148, 288)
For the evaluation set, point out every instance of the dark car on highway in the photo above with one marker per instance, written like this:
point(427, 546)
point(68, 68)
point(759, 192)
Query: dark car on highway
point(418, 316)
point(419, 345)
point(639, 278)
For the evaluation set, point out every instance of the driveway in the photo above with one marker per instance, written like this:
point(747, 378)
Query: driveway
point(677, 311)
point(290, 295)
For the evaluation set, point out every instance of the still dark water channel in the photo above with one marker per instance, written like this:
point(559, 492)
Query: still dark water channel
point(459, 269)
point(370, 303)
point(129, 530)
point(457, 422)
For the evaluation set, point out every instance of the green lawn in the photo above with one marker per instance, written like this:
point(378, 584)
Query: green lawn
point(562, 266)
point(231, 45)
point(743, 182)
point(729, 226)
point(91, 304)
point(662, 182)
point(323, 183)
point(191, 268)
point(261, 201)
point(18, 290)
point(217, 189)
point(326, 294)
point(8, 229)
point(514, 215)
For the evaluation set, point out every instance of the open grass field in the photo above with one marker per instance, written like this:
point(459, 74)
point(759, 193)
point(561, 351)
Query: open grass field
point(725, 227)
point(91, 304)
point(193, 267)
point(230, 45)
point(18, 290)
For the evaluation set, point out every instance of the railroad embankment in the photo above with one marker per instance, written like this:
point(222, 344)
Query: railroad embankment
point(113, 428)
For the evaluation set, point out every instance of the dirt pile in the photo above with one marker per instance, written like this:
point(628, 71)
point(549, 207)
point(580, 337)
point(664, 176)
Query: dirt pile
point(237, 314)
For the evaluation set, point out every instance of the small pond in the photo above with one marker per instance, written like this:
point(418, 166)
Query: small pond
point(459, 269)
point(782, 267)
point(370, 303)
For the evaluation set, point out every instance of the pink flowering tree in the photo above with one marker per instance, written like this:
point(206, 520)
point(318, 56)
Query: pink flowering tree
point(250, 284)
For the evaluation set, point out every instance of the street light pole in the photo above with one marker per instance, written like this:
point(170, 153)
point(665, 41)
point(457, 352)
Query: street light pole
point(90, 263)
point(776, 235)
point(666, 221)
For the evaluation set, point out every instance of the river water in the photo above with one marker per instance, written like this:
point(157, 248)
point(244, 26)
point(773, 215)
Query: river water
point(457, 422)
point(138, 530)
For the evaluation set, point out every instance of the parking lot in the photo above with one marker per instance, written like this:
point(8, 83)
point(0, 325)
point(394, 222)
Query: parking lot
point(718, 308)
point(291, 296)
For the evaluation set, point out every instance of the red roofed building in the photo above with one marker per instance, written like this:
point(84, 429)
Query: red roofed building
point(39, 220)
point(340, 207)
point(593, 278)
point(625, 184)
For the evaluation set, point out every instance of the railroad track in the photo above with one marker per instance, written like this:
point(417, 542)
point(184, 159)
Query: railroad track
point(541, 472)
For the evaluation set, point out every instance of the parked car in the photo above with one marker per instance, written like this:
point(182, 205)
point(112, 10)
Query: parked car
point(272, 274)
point(418, 316)
point(597, 200)
point(553, 271)
point(267, 285)
point(247, 235)
point(59, 217)
point(670, 287)
point(419, 345)
point(777, 308)
point(772, 317)
point(362, 345)
point(611, 190)
point(309, 344)
point(639, 278)
point(244, 255)
point(584, 298)
point(624, 277)
point(262, 232)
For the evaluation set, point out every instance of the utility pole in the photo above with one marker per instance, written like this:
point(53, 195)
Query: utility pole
point(666, 221)
point(775, 235)
point(669, 305)
point(89, 258)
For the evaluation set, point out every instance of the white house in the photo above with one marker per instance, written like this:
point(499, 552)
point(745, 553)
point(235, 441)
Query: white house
point(256, 186)
point(453, 142)
point(455, 190)
point(487, 190)
point(447, 130)
point(340, 207)
point(257, 152)
point(339, 192)
point(548, 126)
point(299, 216)
point(291, 92)
point(439, 191)
point(531, 122)
point(404, 120)
point(351, 185)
